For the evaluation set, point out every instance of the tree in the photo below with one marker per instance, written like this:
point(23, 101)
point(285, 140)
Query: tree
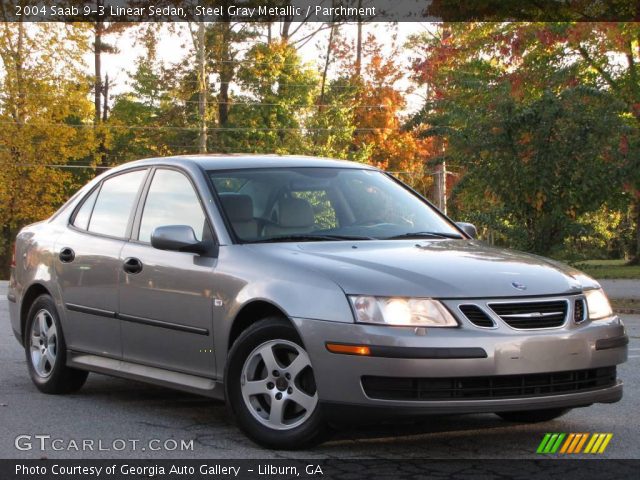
point(225, 42)
point(102, 30)
point(44, 112)
point(280, 90)
point(377, 104)
point(539, 144)
point(158, 114)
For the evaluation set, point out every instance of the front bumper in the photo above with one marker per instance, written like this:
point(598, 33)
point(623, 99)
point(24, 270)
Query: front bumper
point(508, 352)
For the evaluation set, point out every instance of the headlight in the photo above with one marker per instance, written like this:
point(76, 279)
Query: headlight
point(408, 312)
point(598, 304)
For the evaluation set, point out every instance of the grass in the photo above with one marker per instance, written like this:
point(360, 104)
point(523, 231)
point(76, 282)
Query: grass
point(628, 305)
point(609, 269)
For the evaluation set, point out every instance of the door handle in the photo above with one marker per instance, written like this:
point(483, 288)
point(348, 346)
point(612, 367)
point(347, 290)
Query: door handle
point(66, 255)
point(132, 265)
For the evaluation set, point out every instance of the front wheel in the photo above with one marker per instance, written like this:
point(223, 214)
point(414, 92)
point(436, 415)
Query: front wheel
point(533, 416)
point(46, 350)
point(271, 387)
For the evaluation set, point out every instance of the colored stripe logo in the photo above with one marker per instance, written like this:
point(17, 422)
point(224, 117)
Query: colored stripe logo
point(563, 443)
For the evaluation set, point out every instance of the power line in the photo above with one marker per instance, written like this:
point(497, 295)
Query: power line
point(28, 165)
point(214, 102)
point(301, 85)
point(220, 129)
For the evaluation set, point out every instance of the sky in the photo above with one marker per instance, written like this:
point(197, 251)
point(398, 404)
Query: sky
point(170, 49)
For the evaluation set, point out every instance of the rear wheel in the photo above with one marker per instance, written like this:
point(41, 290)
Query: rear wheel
point(533, 416)
point(271, 387)
point(46, 351)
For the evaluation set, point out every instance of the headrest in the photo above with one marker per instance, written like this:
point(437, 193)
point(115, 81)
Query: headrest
point(296, 212)
point(239, 208)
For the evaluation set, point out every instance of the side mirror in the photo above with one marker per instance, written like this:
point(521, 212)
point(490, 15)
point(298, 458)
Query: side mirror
point(179, 238)
point(468, 228)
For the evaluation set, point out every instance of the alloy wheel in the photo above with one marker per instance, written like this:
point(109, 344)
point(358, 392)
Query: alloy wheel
point(278, 386)
point(44, 343)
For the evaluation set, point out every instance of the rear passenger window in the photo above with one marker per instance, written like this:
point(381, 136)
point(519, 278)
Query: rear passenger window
point(171, 201)
point(114, 204)
point(83, 215)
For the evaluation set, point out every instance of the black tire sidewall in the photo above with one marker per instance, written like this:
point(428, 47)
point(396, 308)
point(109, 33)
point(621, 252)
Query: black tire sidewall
point(311, 432)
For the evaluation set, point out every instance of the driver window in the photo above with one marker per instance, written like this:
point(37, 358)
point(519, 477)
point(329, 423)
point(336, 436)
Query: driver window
point(372, 205)
point(171, 201)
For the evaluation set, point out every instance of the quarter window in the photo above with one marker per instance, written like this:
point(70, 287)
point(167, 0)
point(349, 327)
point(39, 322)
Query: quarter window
point(113, 207)
point(81, 219)
point(171, 201)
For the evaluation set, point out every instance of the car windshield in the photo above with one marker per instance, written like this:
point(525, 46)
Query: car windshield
point(323, 204)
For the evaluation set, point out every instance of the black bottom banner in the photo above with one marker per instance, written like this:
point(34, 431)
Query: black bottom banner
point(318, 469)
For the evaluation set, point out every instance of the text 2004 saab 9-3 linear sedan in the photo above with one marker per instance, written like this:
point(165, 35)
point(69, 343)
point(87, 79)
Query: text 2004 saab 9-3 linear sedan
point(302, 290)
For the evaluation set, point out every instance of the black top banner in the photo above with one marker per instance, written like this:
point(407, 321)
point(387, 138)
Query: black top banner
point(318, 10)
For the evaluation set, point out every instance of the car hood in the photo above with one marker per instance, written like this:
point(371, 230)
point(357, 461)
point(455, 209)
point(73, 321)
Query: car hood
point(432, 268)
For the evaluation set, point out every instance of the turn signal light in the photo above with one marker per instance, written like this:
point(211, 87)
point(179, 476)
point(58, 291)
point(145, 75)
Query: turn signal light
point(348, 349)
point(13, 256)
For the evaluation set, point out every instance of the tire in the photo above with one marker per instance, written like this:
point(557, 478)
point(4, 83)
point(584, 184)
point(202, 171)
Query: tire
point(47, 353)
point(292, 425)
point(533, 416)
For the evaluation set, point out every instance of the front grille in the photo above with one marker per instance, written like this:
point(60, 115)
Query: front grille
point(478, 388)
point(476, 315)
point(532, 315)
point(579, 311)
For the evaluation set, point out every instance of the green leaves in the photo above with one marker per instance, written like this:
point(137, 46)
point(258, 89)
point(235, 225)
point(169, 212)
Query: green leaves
point(539, 146)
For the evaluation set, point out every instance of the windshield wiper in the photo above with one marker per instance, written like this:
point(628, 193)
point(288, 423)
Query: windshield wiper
point(424, 235)
point(309, 238)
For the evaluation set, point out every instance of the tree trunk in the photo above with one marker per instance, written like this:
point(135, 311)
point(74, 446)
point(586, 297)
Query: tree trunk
point(19, 115)
point(8, 237)
point(202, 90)
point(327, 61)
point(105, 105)
point(635, 246)
point(97, 67)
point(226, 74)
point(97, 89)
point(284, 31)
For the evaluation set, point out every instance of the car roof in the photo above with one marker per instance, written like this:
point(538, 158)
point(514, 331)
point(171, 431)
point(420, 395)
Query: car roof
point(246, 161)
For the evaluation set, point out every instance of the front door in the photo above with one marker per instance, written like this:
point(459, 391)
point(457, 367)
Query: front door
point(166, 298)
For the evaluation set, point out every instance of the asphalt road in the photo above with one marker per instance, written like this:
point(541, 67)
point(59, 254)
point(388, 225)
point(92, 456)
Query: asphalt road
point(107, 409)
point(621, 288)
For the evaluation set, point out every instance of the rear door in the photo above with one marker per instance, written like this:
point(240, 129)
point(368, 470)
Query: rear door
point(166, 307)
point(88, 263)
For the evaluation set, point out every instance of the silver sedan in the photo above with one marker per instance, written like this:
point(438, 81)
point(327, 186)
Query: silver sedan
point(304, 291)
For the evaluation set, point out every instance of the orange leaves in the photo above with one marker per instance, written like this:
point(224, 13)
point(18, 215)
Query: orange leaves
point(525, 138)
point(516, 83)
point(537, 201)
point(624, 145)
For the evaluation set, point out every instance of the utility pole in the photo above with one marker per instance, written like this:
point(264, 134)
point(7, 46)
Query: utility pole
point(440, 185)
point(443, 187)
point(358, 66)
